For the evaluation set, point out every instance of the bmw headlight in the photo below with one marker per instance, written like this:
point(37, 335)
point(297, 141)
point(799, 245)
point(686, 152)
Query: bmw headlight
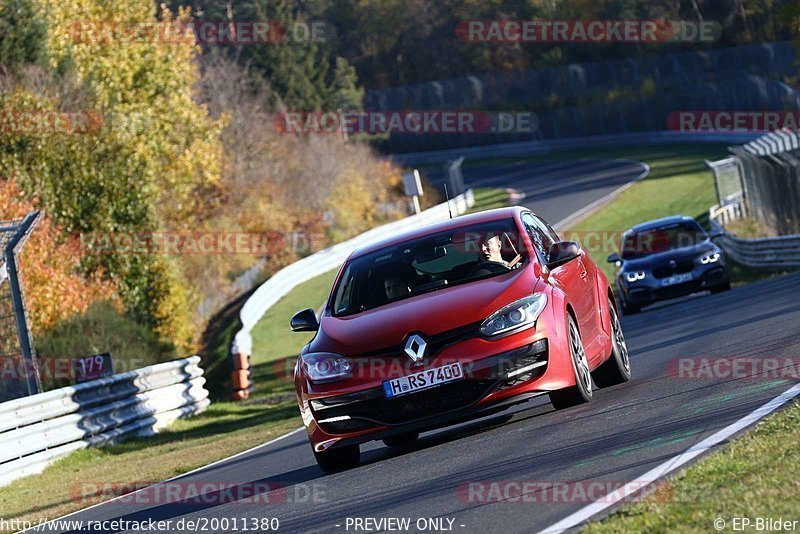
point(519, 314)
point(705, 259)
point(635, 276)
point(326, 366)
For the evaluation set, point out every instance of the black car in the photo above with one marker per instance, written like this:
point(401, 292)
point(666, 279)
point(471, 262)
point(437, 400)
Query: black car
point(667, 258)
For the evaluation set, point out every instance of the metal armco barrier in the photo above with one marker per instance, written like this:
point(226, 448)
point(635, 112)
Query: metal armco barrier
point(282, 282)
point(39, 429)
point(780, 251)
point(536, 148)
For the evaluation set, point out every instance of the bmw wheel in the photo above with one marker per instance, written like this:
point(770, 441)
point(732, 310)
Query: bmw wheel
point(581, 392)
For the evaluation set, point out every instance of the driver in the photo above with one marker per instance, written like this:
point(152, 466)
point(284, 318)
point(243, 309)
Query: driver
point(490, 250)
point(490, 258)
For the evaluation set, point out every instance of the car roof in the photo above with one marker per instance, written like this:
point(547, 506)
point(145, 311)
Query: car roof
point(657, 223)
point(448, 224)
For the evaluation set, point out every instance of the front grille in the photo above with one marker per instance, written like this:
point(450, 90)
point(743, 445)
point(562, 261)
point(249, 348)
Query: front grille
point(681, 267)
point(370, 408)
point(678, 290)
point(425, 403)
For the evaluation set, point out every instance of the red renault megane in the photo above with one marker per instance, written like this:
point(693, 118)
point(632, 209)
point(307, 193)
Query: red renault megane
point(458, 319)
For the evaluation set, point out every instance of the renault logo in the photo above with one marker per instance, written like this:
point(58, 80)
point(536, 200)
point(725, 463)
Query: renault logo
point(415, 347)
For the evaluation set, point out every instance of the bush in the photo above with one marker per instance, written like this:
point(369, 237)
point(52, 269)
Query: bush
point(54, 287)
point(100, 328)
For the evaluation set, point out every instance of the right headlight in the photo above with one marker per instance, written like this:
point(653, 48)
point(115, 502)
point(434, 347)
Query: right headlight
point(635, 276)
point(710, 257)
point(518, 315)
point(326, 366)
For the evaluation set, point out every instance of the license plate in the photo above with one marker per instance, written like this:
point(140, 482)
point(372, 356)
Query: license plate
point(429, 378)
point(677, 279)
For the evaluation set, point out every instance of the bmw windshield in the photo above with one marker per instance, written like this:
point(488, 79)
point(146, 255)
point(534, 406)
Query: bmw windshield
point(662, 239)
point(430, 263)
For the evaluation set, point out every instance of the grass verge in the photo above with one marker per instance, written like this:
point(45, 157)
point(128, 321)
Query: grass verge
point(753, 476)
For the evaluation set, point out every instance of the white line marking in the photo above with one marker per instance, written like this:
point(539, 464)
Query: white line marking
point(672, 464)
point(564, 224)
point(251, 449)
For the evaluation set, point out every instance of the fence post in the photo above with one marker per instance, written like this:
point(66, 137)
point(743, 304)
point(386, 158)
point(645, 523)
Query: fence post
point(21, 232)
point(455, 179)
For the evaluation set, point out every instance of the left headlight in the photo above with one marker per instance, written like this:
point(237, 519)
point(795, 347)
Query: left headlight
point(519, 314)
point(635, 276)
point(326, 366)
point(705, 259)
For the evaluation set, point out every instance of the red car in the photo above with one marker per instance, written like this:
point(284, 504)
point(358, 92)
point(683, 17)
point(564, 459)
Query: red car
point(458, 319)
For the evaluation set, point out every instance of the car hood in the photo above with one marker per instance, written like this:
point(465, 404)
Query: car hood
point(680, 254)
point(430, 314)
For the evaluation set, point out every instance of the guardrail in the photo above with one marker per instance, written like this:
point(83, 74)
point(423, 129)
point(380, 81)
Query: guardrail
point(779, 251)
point(282, 282)
point(535, 148)
point(39, 429)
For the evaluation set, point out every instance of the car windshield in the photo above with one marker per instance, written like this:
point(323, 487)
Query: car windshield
point(430, 263)
point(662, 239)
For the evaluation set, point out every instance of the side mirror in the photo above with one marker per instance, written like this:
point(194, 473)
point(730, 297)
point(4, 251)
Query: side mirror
point(613, 258)
point(561, 253)
point(305, 321)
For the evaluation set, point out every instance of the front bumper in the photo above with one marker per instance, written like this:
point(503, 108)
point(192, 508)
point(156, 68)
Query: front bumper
point(498, 373)
point(370, 409)
point(651, 289)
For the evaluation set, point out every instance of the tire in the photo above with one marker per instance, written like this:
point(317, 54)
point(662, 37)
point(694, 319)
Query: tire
point(720, 288)
point(401, 440)
point(338, 459)
point(617, 369)
point(629, 309)
point(581, 392)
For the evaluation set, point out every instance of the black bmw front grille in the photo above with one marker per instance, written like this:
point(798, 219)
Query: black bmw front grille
point(680, 267)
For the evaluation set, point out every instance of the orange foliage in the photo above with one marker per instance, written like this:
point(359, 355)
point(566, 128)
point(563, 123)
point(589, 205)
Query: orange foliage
point(53, 287)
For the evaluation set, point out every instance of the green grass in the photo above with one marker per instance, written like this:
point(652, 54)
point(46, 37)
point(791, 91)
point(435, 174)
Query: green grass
point(275, 347)
point(488, 198)
point(753, 476)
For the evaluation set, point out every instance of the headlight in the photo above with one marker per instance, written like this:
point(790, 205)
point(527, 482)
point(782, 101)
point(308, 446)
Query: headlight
point(519, 314)
point(635, 277)
point(326, 366)
point(709, 258)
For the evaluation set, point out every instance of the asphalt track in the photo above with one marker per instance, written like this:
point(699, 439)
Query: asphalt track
point(553, 189)
point(624, 432)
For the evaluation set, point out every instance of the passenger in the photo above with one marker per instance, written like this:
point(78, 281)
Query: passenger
point(396, 288)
